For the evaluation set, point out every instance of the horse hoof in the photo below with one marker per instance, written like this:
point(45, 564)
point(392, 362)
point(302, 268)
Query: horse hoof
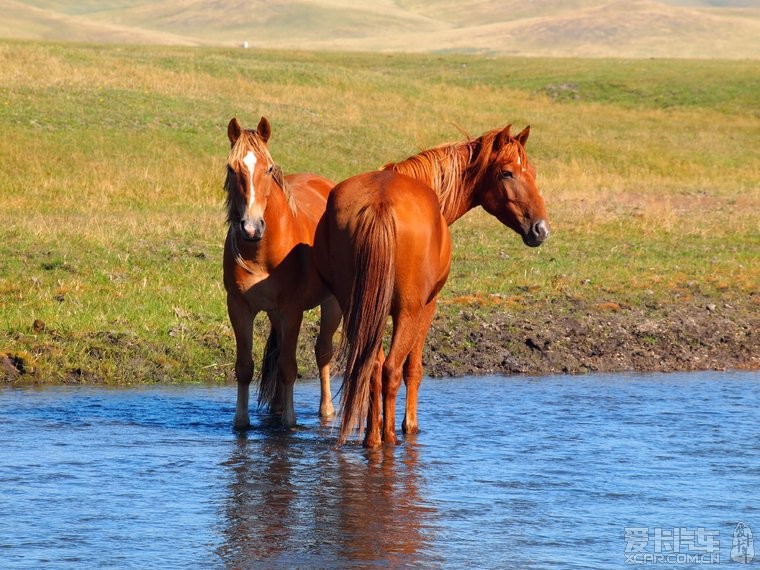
point(327, 412)
point(390, 439)
point(241, 423)
point(372, 443)
point(288, 420)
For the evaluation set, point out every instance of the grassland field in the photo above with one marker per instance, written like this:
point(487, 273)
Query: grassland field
point(111, 204)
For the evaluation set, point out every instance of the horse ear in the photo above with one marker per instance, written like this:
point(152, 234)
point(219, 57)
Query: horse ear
point(522, 138)
point(264, 129)
point(233, 131)
point(502, 138)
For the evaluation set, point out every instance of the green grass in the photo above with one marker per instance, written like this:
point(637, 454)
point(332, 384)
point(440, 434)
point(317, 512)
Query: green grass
point(111, 166)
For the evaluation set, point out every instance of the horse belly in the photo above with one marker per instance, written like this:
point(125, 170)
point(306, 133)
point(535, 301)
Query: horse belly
point(334, 258)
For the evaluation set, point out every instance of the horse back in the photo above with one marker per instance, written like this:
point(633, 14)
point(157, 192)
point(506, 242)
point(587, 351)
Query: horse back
point(310, 192)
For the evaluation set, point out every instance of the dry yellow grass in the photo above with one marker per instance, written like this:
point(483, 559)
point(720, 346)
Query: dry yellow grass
point(582, 28)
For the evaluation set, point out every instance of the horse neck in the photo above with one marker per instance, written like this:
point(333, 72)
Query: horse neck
point(445, 169)
point(279, 211)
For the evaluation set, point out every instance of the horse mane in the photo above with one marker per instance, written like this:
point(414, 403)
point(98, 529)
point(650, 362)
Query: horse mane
point(250, 140)
point(453, 170)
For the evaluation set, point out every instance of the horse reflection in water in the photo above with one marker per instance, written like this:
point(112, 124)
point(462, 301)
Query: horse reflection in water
point(294, 502)
point(380, 509)
point(258, 509)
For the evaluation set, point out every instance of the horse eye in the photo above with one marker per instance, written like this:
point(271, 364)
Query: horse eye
point(270, 169)
point(506, 174)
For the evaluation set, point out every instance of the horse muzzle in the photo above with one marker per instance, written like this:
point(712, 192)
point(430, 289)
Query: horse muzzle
point(537, 234)
point(252, 230)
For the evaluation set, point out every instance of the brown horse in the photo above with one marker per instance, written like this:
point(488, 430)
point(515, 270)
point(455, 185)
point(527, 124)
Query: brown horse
point(383, 248)
point(268, 267)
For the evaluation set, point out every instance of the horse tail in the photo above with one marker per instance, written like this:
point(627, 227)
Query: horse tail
point(368, 309)
point(269, 369)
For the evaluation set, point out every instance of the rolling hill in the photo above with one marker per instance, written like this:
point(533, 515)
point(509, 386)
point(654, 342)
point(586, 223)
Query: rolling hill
point(580, 28)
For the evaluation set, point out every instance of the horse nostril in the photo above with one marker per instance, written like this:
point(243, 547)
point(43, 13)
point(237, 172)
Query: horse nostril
point(540, 230)
point(252, 230)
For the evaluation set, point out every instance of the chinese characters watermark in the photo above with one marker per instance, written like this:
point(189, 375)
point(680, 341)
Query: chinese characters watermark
point(683, 545)
point(742, 545)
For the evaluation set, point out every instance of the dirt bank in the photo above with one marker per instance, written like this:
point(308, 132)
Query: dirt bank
point(568, 338)
point(472, 336)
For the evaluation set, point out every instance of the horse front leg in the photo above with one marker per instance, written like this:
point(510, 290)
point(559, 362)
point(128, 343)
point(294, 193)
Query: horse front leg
point(241, 319)
point(329, 320)
point(290, 327)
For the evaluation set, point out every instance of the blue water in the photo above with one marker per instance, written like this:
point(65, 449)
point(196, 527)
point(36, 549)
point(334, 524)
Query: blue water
point(552, 472)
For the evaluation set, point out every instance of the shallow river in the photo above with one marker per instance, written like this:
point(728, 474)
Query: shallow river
point(594, 471)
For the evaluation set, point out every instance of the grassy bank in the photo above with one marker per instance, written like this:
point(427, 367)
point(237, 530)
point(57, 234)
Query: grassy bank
point(111, 166)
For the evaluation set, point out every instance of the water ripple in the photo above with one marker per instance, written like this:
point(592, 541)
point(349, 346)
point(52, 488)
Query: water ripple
point(506, 472)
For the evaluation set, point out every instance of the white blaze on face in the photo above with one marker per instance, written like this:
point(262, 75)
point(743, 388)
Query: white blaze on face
point(519, 163)
point(250, 163)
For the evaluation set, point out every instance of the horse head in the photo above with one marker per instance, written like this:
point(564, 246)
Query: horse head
point(508, 190)
point(250, 172)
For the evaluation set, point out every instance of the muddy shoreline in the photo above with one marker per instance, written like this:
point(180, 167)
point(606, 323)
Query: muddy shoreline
point(468, 338)
point(607, 337)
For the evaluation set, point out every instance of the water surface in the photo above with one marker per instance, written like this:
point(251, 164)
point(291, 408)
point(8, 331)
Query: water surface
point(552, 472)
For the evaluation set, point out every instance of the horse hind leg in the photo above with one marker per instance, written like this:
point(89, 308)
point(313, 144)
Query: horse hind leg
point(405, 333)
point(373, 437)
point(413, 371)
point(330, 316)
point(270, 389)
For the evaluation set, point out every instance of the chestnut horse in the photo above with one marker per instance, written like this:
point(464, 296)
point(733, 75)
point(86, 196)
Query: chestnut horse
point(268, 267)
point(383, 248)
